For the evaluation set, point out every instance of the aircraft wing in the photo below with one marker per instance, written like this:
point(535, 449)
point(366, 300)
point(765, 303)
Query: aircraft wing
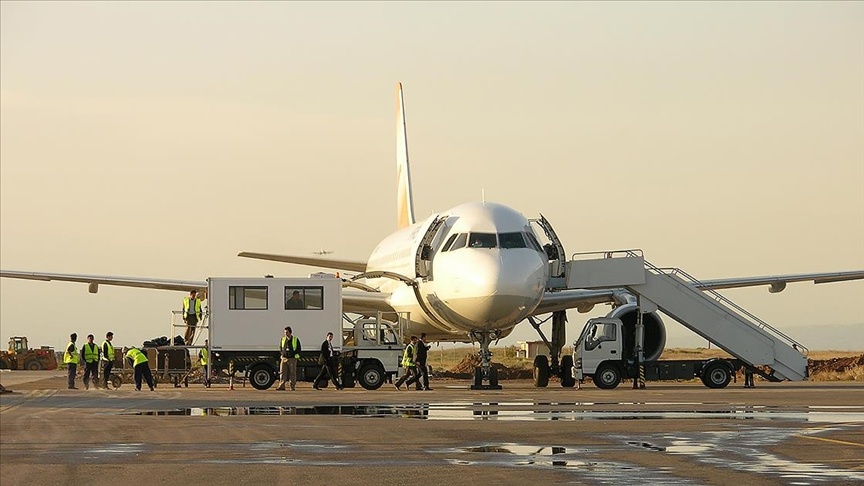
point(580, 299)
point(362, 302)
point(777, 283)
point(349, 265)
point(96, 280)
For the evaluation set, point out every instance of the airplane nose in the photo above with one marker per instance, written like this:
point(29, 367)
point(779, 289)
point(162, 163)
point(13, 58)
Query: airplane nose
point(506, 286)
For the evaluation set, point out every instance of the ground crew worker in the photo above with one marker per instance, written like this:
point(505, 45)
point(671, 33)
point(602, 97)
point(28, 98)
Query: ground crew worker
point(289, 350)
point(90, 357)
point(409, 364)
point(70, 358)
point(422, 367)
point(327, 360)
point(191, 315)
point(142, 369)
point(748, 378)
point(203, 359)
point(107, 358)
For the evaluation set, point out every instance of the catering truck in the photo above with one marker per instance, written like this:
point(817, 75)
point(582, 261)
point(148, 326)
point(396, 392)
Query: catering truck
point(246, 318)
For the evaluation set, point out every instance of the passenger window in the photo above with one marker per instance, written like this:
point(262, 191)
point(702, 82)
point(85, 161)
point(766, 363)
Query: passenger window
point(512, 240)
point(450, 241)
point(304, 298)
point(483, 240)
point(247, 298)
point(460, 242)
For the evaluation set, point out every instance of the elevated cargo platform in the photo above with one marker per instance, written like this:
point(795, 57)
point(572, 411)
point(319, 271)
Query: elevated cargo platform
point(705, 312)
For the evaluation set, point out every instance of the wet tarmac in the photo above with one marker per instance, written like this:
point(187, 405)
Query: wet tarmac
point(802, 433)
point(511, 412)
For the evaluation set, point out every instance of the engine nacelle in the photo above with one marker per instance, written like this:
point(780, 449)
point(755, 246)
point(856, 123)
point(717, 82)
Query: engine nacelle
point(655, 331)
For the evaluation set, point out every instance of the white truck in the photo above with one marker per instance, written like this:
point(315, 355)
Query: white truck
point(247, 316)
point(599, 353)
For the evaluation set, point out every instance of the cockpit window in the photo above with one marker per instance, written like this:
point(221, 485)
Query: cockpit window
point(482, 240)
point(459, 242)
point(450, 240)
point(532, 240)
point(512, 240)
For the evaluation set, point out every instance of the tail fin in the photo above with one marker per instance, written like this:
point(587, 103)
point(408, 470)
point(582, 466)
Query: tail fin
point(404, 199)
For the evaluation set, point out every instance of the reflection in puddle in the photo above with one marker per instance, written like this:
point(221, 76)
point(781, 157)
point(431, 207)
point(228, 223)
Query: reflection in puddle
point(747, 450)
point(516, 411)
point(582, 462)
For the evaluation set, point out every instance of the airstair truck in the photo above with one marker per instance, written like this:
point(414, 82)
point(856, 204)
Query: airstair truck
point(246, 318)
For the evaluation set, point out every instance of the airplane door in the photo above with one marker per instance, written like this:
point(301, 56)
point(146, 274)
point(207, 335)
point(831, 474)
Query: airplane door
point(425, 247)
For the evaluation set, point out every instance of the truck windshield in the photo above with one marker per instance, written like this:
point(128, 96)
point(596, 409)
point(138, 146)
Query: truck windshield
point(598, 333)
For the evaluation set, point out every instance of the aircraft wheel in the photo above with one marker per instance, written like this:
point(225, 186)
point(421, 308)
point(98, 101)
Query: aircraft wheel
point(567, 378)
point(541, 371)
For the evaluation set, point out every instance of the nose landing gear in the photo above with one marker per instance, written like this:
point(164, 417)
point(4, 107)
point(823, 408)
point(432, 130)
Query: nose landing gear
point(485, 376)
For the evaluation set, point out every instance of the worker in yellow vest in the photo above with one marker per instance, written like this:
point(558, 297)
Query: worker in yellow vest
point(289, 351)
point(142, 369)
point(409, 363)
point(191, 315)
point(90, 357)
point(204, 360)
point(70, 359)
point(107, 358)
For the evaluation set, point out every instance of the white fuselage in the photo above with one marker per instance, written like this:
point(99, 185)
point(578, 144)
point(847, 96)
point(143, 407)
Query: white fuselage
point(482, 281)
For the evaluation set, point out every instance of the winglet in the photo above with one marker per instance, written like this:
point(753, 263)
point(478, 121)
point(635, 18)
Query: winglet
point(404, 198)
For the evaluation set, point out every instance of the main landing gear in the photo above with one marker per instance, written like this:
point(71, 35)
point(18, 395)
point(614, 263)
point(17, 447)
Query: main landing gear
point(544, 366)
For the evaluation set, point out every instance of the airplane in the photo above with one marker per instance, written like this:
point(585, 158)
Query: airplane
point(322, 252)
point(467, 274)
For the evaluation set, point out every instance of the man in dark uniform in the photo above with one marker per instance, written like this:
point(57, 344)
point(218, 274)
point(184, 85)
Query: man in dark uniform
point(90, 358)
point(328, 363)
point(422, 352)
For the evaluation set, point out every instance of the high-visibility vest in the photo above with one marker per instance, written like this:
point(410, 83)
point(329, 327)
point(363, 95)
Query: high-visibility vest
point(110, 357)
point(91, 353)
point(205, 355)
point(293, 345)
point(72, 357)
point(187, 304)
point(137, 356)
point(408, 356)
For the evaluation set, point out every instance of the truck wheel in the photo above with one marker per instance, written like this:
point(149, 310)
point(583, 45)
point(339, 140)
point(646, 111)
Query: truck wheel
point(716, 375)
point(541, 371)
point(261, 377)
point(33, 365)
point(607, 376)
point(371, 376)
point(348, 377)
point(567, 378)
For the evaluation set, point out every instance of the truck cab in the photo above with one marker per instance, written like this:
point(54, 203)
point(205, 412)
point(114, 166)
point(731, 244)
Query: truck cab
point(599, 344)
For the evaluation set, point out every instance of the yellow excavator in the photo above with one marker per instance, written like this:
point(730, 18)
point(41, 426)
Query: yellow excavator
point(21, 357)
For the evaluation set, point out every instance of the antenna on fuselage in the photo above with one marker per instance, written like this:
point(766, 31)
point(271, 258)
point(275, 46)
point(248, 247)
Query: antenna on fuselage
point(483, 196)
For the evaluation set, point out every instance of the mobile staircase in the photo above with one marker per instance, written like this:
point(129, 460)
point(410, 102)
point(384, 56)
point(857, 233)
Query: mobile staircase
point(705, 312)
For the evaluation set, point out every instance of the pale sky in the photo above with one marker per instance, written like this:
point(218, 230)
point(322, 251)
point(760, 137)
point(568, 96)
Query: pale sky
point(159, 139)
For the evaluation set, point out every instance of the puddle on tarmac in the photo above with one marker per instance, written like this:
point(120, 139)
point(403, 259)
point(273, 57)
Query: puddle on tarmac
point(527, 411)
point(748, 450)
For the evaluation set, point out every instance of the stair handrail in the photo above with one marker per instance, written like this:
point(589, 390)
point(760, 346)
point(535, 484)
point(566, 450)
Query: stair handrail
point(697, 284)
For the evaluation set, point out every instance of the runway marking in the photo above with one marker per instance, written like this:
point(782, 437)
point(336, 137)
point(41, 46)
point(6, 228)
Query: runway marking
point(856, 444)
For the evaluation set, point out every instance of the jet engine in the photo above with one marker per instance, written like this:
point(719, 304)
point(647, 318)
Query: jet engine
point(655, 331)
